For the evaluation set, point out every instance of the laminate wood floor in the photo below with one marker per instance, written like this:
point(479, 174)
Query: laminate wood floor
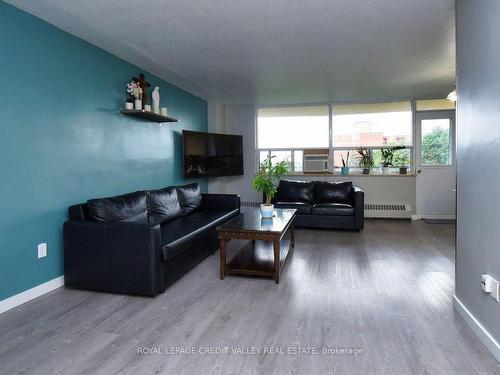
point(386, 291)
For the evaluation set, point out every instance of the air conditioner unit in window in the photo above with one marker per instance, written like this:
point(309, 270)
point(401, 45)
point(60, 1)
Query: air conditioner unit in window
point(316, 163)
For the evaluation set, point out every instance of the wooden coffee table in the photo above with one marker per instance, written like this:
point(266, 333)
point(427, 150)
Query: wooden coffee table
point(270, 243)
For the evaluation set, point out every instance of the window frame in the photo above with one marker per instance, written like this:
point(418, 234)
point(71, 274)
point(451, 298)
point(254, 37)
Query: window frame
point(435, 114)
point(332, 148)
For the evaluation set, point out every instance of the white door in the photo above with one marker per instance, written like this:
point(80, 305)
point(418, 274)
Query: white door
point(435, 164)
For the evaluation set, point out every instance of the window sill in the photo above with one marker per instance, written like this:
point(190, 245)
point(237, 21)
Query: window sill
point(336, 174)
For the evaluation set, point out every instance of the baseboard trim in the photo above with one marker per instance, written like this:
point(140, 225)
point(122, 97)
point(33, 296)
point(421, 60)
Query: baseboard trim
point(486, 338)
point(28, 295)
point(433, 216)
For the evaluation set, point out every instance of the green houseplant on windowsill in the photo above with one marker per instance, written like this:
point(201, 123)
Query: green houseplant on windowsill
point(403, 162)
point(265, 182)
point(365, 159)
point(388, 156)
point(345, 164)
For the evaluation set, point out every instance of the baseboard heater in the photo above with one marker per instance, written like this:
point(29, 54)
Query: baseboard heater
point(251, 204)
point(388, 210)
point(374, 210)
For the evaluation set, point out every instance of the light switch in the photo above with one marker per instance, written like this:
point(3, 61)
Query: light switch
point(42, 250)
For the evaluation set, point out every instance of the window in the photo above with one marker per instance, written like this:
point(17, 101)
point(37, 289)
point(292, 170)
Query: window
point(434, 104)
point(278, 156)
point(298, 158)
point(294, 157)
point(339, 154)
point(379, 124)
point(402, 158)
point(283, 133)
point(374, 126)
point(292, 127)
point(436, 145)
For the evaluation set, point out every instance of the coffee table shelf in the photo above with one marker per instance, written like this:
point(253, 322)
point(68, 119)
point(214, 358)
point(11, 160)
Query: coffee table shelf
point(256, 258)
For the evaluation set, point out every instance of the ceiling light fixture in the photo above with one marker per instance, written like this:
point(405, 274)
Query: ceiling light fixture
point(452, 96)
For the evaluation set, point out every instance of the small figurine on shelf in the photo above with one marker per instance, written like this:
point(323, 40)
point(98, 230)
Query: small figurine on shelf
point(156, 100)
point(135, 90)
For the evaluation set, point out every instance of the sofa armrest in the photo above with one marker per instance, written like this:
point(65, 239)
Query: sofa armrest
point(113, 257)
point(220, 202)
point(359, 207)
point(77, 212)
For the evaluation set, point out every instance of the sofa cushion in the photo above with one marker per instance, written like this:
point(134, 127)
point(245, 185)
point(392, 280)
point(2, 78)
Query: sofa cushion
point(294, 191)
point(301, 207)
point(179, 234)
point(333, 209)
point(189, 197)
point(332, 192)
point(163, 205)
point(129, 207)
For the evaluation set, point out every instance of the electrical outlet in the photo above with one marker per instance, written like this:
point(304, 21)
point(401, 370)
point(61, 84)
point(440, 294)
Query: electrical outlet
point(494, 290)
point(486, 283)
point(42, 250)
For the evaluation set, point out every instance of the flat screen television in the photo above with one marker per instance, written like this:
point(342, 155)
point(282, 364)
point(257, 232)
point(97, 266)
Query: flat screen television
point(211, 155)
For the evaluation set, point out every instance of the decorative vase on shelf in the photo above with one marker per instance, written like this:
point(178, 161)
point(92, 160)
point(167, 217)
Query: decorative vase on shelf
point(129, 105)
point(156, 100)
point(366, 170)
point(385, 170)
point(344, 171)
point(403, 170)
point(138, 104)
point(266, 211)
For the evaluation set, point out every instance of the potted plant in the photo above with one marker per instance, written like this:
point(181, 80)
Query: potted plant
point(365, 159)
point(345, 164)
point(404, 162)
point(388, 156)
point(265, 181)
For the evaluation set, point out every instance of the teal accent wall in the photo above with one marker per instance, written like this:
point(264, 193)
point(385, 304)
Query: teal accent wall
point(63, 140)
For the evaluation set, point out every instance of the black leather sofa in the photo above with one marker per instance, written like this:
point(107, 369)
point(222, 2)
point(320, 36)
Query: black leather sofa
point(321, 204)
point(140, 243)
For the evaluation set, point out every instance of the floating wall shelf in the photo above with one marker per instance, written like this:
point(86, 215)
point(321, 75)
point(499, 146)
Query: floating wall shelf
point(149, 116)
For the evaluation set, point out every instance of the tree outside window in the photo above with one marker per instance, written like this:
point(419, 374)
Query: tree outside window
point(436, 142)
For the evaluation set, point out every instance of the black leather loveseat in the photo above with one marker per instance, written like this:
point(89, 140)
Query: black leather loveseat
point(140, 243)
point(321, 204)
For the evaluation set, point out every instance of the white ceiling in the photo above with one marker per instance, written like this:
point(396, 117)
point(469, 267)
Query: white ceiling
point(274, 51)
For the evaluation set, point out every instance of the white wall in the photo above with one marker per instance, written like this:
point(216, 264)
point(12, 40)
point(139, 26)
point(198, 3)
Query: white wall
point(240, 119)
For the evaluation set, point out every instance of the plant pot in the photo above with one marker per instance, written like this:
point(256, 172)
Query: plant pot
point(344, 171)
point(267, 211)
point(138, 104)
point(266, 223)
point(385, 170)
point(403, 170)
point(366, 170)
